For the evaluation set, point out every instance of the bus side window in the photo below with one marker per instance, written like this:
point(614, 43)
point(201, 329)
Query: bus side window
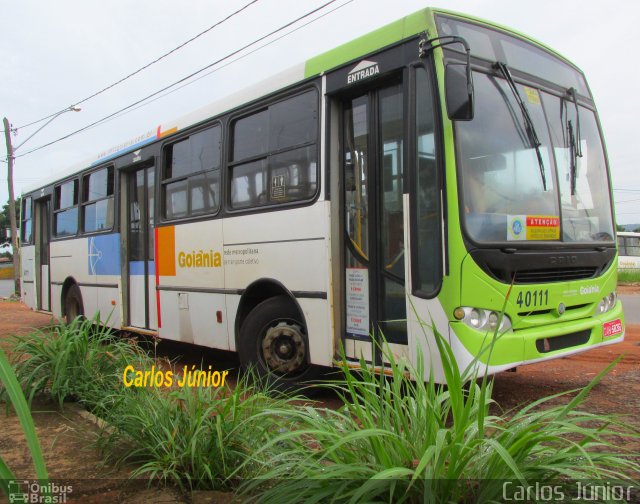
point(97, 200)
point(427, 244)
point(66, 209)
point(283, 138)
point(191, 175)
point(26, 227)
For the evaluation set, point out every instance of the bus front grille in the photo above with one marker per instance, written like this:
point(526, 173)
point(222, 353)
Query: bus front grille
point(511, 265)
point(554, 275)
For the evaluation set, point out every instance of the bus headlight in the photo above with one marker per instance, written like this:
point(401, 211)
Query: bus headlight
point(607, 303)
point(482, 320)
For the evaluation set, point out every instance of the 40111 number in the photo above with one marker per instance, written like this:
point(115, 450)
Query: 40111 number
point(533, 298)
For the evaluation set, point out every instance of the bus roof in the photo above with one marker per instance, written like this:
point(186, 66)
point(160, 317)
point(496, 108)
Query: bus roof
point(392, 33)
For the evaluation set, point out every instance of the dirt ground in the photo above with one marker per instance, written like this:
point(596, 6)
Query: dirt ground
point(66, 437)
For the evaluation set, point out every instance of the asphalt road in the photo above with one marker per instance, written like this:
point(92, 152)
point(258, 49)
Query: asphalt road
point(631, 305)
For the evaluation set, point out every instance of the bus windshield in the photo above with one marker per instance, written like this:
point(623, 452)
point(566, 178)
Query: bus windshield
point(543, 181)
point(505, 196)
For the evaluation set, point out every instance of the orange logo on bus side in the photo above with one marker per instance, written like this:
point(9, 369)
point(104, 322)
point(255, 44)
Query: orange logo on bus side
point(167, 254)
point(166, 246)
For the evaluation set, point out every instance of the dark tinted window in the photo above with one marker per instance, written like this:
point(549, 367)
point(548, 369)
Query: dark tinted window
point(194, 154)
point(191, 185)
point(293, 122)
point(427, 265)
point(494, 45)
point(250, 136)
point(287, 168)
point(98, 184)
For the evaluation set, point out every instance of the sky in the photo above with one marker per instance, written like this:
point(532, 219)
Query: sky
point(54, 54)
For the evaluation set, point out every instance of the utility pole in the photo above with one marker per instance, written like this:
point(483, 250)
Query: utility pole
point(12, 208)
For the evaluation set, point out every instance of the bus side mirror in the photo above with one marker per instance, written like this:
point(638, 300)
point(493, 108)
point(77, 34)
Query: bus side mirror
point(459, 91)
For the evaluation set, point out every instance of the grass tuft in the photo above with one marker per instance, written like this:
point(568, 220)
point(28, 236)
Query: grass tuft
point(393, 439)
point(77, 361)
point(400, 440)
point(196, 438)
point(628, 276)
point(12, 389)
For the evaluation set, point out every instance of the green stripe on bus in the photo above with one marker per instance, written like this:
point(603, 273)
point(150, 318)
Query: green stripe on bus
point(387, 35)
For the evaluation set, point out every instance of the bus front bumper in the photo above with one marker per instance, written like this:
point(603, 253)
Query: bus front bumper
point(491, 353)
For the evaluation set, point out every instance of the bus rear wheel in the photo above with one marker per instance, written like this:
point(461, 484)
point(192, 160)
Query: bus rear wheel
point(73, 307)
point(273, 343)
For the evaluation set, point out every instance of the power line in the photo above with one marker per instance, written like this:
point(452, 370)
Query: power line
point(148, 102)
point(148, 64)
point(260, 39)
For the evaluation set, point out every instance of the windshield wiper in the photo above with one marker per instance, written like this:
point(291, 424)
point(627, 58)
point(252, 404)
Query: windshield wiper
point(528, 122)
point(575, 141)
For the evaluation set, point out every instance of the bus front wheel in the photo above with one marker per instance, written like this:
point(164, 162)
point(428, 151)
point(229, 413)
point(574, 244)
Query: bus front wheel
point(273, 343)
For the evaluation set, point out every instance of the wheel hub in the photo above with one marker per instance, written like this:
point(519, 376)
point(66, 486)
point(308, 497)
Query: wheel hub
point(283, 347)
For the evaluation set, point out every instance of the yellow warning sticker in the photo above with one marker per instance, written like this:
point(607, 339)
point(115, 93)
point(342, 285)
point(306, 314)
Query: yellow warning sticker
point(532, 95)
point(543, 227)
point(533, 227)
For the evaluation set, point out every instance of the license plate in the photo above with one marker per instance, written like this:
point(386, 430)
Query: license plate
point(612, 328)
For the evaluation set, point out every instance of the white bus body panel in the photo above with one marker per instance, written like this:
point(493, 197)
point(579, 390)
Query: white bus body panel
point(70, 258)
point(290, 247)
point(78, 258)
point(214, 261)
point(28, 265)
point(191, 287)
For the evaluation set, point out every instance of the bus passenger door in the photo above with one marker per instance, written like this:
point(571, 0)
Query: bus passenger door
point(42, 260)
point(373, 171)
point(140, 249)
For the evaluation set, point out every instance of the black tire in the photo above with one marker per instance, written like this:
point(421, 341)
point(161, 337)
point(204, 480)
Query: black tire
point(73, 306)
point(273, 343)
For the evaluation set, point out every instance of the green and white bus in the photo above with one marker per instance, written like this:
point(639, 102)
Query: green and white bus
point(423, 173)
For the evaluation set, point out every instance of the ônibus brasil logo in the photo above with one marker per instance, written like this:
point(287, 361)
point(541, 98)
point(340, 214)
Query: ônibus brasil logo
point(363, 70)
point(35, 492)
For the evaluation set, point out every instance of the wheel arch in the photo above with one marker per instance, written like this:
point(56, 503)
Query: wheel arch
point(258, 291)
point(66, 286)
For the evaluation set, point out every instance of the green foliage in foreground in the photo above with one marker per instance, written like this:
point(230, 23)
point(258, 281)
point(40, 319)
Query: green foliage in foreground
point(14, 392)
point(81, 361)
point(393, 439)
point(196, 437)
point(397, 440)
